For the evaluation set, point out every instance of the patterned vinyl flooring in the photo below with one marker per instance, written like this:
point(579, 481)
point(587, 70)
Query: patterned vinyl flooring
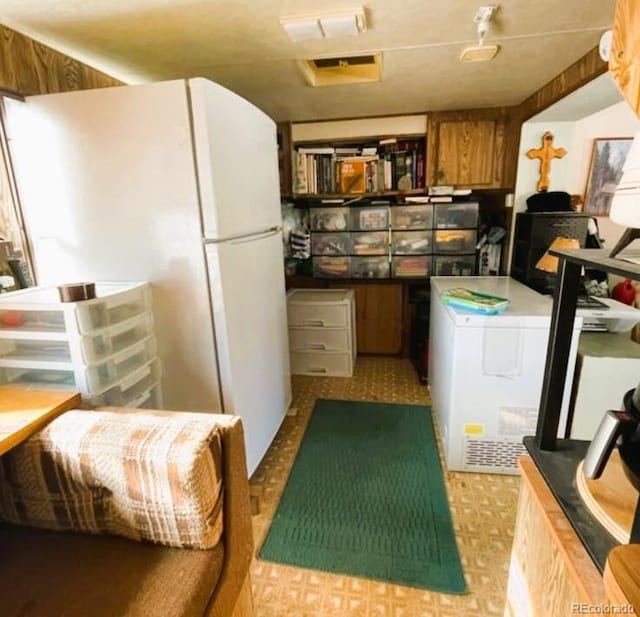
point(483, 507)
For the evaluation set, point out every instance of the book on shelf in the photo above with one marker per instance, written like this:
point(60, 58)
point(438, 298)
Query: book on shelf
point(318, 150)
point(441, 199)
point(474, 301)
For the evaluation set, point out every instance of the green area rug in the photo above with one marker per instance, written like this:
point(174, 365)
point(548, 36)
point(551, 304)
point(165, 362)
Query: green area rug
point(366, 497)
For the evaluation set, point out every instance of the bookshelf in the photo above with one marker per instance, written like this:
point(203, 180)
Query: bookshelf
point(374, 166)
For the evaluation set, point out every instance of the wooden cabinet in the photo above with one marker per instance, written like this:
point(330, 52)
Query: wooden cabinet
point(467, 148)
point(283, 132)
point(624, 63)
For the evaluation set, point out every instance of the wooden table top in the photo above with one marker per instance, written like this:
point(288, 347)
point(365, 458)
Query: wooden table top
point(24, 411)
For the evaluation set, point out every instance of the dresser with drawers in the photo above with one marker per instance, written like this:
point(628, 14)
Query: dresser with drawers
point(322, 331)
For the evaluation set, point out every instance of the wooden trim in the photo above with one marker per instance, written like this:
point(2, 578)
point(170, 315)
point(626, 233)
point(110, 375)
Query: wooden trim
point(244, 605)
point(577, 75)
point(28, 67)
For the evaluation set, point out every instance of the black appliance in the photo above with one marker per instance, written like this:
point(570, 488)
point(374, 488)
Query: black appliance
point(534, 232)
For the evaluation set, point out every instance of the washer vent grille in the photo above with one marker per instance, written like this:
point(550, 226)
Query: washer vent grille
point(499, 456)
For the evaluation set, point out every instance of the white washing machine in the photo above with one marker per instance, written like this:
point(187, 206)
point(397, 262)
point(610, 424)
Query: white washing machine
point(486, 372)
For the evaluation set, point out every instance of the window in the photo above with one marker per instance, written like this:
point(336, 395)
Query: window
point(15, 267)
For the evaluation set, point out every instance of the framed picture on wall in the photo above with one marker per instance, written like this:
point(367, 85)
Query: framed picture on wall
point(605, 171)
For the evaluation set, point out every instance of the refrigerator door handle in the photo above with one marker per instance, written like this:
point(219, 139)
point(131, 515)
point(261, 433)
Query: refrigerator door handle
point(243, 238)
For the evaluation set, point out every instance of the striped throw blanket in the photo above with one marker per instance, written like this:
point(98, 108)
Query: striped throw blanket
point(152, 476)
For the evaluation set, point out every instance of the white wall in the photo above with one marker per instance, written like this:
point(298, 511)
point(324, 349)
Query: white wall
point(570, 173)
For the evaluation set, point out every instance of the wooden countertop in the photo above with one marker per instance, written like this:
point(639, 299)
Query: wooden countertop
point(24, 411)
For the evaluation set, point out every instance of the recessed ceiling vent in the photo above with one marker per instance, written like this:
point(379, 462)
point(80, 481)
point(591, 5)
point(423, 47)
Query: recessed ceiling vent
point(342, 70)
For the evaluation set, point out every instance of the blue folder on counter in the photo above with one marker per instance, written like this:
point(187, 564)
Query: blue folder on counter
point(474, 301)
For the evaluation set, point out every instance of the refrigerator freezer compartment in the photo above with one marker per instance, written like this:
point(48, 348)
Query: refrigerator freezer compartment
point(455, 241)
point(412, 217)
point(411, 242)
point(333, 243)
point(416, 266)
point(128, 389)
point(370, 267)
point(456, 215)
point(319, 339)
point(370, 243)
point(332, 267)
point(329, 219)
point(369, 218)
point(322, 364)
point(458, 265)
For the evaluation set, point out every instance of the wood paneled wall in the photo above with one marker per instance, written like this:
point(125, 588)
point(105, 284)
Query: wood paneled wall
point(28, 67)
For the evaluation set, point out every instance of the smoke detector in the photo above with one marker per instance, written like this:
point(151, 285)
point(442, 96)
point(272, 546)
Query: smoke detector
point(481, 52)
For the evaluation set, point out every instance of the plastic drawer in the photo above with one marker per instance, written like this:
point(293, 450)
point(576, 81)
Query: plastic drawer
point(416, 266)
point(149, 399)
point(88, 349)
point(46, 379)
point(458, 265)
point(455, 241)
point(456, 215)
point(38, 309)
point(370, 243)
point(102, 312)
point(412, 217)
point(369, 218)
point(332, 267)
point(129, 388)
point(319, 339)
point(370, 267)
point(329, 219)
point(333, 243)
point(318, 315)
point(411, 242)
point(322, 364)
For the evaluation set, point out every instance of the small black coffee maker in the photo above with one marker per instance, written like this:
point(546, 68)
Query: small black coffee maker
point(621, 426)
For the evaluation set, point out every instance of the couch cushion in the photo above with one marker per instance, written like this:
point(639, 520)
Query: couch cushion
point(138, 475)
point(46, 573)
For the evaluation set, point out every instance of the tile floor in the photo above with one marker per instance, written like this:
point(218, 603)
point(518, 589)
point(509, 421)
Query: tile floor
point(483, 507)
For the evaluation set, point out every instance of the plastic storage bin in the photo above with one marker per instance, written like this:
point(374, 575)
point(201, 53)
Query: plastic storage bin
point(332, 267)
point(411, 242)
point(334, 243)
point(369, 218)
point(455, 241)
point(458, 265)
point(370, 267)
point(456, 215)
point(370, 243)
point(412, 217)
point(416, 266)
point(329, 219)
point(130, 388)
point(38, 309)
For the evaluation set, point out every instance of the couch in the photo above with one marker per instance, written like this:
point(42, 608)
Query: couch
point(63, 573)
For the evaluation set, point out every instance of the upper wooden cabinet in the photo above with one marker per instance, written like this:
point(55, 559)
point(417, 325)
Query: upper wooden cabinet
point(467, 148)
point(283, 132)
point(624, 61)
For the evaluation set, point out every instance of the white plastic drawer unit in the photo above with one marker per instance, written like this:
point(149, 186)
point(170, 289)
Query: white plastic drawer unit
point(322, 335)
point(39, 309)
point(326, 308)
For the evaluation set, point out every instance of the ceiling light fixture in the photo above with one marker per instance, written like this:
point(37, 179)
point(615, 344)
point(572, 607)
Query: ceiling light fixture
point(481, 52)
point(330, 25)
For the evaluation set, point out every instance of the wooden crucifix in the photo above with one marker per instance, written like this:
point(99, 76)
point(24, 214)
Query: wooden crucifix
point(546, 154)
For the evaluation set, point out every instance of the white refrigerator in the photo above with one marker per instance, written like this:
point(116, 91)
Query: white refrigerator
point(175, 183)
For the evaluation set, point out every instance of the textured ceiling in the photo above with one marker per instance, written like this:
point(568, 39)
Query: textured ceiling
point(242, 45)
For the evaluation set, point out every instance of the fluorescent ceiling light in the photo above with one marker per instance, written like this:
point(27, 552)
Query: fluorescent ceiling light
point(331, 25)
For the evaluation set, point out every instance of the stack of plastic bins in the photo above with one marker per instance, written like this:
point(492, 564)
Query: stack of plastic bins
point(330, 242)
point(411, 241)
point(104, 348)
point(370, 240)
point(455, 237)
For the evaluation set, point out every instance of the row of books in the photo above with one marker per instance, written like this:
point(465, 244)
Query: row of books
point(355, 171)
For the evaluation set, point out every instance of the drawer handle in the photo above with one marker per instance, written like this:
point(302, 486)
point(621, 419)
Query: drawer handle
point(316, 346)
point(317, 370)
point(314, 322)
